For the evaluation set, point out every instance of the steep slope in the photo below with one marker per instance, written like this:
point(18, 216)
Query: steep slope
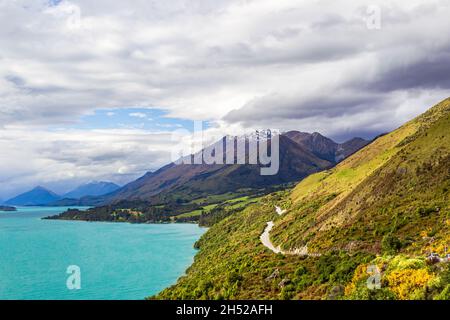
point(92, 189)
point(381, 188)
point(37, 196)
point(381, 211)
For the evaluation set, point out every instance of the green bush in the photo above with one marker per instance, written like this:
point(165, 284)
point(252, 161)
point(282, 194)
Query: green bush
point(445, 294)
point(301, 271)
point(425, 212)
point(304, 282)
point(391, 244)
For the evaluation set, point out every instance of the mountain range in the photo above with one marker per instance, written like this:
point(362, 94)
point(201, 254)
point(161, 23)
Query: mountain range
point(95, 188)
point(42, 196)
point(301, 154)
point(324, 147)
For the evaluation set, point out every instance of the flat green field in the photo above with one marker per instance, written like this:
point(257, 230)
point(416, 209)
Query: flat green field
point(231, 204)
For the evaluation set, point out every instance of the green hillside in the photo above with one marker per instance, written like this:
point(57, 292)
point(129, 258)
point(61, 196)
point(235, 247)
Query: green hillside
point(384, 209)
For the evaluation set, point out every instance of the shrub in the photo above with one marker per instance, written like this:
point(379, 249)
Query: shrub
point(300, 271)
point(288, 292)
point(445, 294)
point(425, 212)
point(234, 278)
point(304, 282)
point(402, 263)
point(391, 244)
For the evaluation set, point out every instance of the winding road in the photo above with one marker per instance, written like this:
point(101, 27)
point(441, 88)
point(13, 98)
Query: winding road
point(265, 240)
point(265, 237)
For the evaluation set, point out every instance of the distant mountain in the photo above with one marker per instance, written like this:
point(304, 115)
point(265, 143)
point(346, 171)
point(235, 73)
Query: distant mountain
point(348, 148)
point(301, 154)
point(35, 197)
point(326, 148)
point(183, 182)
point(92, 189)
point(86, 201)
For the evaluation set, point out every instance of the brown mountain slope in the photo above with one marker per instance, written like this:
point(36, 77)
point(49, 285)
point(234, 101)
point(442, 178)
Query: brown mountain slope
point(189, 181)
point(324, 147)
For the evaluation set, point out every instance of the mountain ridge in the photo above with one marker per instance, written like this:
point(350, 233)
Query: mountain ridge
point(297, 161)
point(325, 147)
point(37, 196)
point(94, 188)
point(42, 196)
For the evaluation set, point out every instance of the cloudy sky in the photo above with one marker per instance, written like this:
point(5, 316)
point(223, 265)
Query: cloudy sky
point(92, 90)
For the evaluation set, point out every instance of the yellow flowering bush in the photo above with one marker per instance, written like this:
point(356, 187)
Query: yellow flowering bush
point(406, 283)
point(403, 263)
point(359, 274)
point(440, 245)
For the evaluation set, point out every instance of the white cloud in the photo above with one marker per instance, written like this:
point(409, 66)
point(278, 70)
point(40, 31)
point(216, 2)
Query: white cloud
point(289, 64)
point(66, 158)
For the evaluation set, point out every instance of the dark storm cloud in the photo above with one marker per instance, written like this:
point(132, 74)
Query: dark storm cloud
point(333, 105)
point(430, 72)
point(363, 72)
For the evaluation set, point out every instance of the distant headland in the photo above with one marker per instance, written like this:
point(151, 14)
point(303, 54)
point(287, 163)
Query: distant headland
point(7, 208)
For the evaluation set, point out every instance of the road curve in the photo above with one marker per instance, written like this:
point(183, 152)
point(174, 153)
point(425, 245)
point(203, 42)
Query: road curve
point(265, 239)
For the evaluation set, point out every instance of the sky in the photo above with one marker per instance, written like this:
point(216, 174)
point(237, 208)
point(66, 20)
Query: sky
point(94, 90)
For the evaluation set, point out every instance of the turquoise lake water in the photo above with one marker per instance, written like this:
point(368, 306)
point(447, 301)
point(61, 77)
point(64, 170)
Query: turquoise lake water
point(116, 260)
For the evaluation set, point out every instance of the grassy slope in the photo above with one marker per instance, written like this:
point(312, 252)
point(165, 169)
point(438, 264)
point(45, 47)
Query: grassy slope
point(232, 204)
point(386, 205)
point(198, 212)
point(379, 190)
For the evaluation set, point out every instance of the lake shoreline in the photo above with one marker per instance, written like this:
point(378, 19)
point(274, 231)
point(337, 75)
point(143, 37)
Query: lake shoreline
point(142, 259)
point(127, 222)
point(142, 223)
